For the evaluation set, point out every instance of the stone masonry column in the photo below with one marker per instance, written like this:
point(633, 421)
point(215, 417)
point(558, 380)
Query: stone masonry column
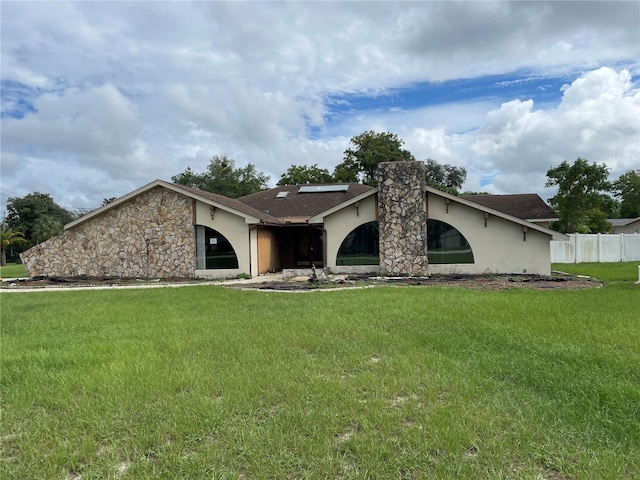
point(402, 218)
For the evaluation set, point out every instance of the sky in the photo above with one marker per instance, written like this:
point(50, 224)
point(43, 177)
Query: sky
point(100, 98)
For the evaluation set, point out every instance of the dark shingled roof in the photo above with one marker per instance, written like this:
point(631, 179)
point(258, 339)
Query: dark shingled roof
point(527, 206)
point(298, 207)
point(231, 203)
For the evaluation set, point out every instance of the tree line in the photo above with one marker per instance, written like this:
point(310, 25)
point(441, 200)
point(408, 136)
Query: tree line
point(584, 201)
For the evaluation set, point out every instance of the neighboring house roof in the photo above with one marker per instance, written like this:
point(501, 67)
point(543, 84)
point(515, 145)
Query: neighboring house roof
point(298, 203)
point(528, 206)
point(622, 222)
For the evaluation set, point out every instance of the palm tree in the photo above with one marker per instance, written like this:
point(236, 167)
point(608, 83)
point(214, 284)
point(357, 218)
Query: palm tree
point(7, 238)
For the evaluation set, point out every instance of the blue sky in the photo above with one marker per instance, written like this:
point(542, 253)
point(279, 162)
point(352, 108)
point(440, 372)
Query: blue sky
point(100, 98)
point(493, 88)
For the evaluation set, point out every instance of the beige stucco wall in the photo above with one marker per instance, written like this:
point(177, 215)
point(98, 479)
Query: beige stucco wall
point(339, 224)
point(497, 248)
point(236, 231)
point(114, 243)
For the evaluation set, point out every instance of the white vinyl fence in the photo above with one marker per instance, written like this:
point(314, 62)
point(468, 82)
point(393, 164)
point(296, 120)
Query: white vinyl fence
point(596, 248)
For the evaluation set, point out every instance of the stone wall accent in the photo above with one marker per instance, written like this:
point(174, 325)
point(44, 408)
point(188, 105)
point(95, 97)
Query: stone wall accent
point(151, 235)
point(402, 218)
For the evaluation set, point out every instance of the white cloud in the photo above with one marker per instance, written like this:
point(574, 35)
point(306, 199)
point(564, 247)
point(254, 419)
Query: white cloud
point(126, 92)
point(77, 122)
point(598, 119)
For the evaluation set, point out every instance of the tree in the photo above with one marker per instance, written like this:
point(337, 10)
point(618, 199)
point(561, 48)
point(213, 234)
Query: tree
point(299, 174)
point(37, 216)
point(445, 177)
point(579, 188)
point(609, 206)
point(107, 201)
point(365, 152)
point(8, 238)
point(627, 188)
point(224, 178)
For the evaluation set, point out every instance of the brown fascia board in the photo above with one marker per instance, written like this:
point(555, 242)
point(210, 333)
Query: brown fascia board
point(555, 235)
point(232, 205)
point(118, 201)
point(219, 201)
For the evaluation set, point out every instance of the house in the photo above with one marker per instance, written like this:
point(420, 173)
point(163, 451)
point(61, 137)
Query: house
point(403, 227)
point(625, 225)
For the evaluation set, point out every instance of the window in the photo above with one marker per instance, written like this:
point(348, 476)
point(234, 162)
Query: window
point(214, 250)
point(361, 246)
point(445, 244)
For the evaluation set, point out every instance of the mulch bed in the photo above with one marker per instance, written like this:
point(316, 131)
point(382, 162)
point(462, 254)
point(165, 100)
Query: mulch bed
point(477, 282)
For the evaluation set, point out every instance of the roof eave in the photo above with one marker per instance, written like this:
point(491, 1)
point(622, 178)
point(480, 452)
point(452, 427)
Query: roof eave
point(249, 219)
point(319, 218)
point(555, 235)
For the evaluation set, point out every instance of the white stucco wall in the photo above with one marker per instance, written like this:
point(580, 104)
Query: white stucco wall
point(497, 248)
point(236, 231)
point(339, 224)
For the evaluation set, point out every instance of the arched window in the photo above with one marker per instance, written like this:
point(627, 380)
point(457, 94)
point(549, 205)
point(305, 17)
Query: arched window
point(445, 244)
point(214, 250)
point(361, 246)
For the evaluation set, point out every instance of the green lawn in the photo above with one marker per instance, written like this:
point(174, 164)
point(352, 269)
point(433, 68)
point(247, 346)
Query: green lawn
point(13, 270)
point(607, 272)
point(385, 382)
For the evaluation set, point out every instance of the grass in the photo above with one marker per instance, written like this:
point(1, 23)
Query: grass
point(13, 270)
point(385, 382)
point(606, 272)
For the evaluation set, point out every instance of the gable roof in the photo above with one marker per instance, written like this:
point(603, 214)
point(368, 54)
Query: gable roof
point(287, 204)
point(528, 206)
point(250, 214)
point(231, 204)
point(498, 213)
point(299, 203)
point(319, 218)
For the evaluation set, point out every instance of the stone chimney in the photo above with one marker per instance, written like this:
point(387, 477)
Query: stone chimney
point(402, 218)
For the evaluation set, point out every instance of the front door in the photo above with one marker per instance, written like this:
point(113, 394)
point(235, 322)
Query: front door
point(308, 248)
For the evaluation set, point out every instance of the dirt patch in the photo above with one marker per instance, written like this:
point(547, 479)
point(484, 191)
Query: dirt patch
point(476, 282)
point(84, 281)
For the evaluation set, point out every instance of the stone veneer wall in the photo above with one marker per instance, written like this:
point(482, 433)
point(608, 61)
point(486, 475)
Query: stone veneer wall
point(402, 218)
point(115, 242)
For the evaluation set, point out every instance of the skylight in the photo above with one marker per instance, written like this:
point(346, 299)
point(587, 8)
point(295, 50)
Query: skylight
point(282, 194)
point(323, 188)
